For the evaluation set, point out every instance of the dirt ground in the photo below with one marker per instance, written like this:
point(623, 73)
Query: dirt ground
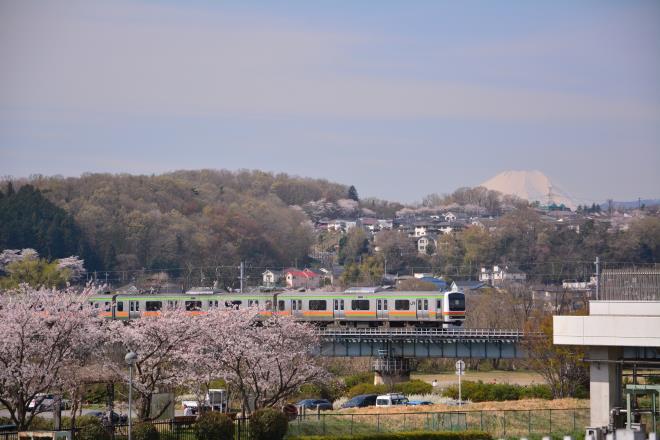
point(512, 377)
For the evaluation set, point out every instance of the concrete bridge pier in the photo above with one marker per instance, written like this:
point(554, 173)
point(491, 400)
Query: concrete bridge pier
point(389, 370)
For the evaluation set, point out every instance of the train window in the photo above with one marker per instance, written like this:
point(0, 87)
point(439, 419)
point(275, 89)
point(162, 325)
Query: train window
point(384, 304)
point(300, 304)
point(379, 304)
point(426, 304)
point(317, 304)
point(120, 306)
point(236, 304)
point(419, 304)
point(280, 305)
point(294, 305)
point(401, 304)
point(193, 306)
point(172, 304)
point(96, 305)
point(456, 301)
point(269, 304)
point(336, 304)
point(341, 304)
point(153, 306)
point(360, 304)
point(438, 305)
point(253, 303)
point(134, 306)
point(107, 306)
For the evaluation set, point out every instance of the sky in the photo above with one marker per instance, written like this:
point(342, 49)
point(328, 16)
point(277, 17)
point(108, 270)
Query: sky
point(400, 99)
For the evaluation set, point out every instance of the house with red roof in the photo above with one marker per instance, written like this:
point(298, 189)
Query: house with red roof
point(302, 279)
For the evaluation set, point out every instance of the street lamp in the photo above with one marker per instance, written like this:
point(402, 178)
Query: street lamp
point(130, 358)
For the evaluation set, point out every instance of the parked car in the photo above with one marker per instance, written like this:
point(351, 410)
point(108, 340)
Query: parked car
point(117, 419)
point(46, 402)
point(322, 404)
point(419, 402)
point(361, 401)
point(391, 399)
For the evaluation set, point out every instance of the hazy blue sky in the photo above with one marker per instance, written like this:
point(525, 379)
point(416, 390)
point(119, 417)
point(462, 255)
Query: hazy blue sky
point(398, 98)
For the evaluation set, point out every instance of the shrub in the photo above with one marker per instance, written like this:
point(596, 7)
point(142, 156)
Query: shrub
point(539, 391)
point(414, 387)
point(214, 426)
point(465, 435)
point(486, 392)
point(366, 388)
point(89, 428)
point(358, 378)
point(268, 424)
point(39, 423)
point(145, 431)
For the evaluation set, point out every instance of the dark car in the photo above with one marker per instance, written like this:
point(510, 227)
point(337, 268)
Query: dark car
point(116, 418)
point(361, 401)
point(322, 404)
point(418, 402)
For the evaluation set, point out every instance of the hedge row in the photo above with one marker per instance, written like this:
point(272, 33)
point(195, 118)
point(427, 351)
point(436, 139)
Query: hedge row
point(412, 387)
point(465, 435)
point(488, 392)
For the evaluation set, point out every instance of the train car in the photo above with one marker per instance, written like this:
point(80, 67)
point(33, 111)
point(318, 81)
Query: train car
point(335, 309)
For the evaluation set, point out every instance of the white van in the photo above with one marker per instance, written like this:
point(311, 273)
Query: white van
point(391, 399)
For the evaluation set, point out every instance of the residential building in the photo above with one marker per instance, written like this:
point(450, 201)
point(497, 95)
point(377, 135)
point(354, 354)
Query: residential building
point(271, 277)
point(302, 279)
point(426, 244)
point(499, 275)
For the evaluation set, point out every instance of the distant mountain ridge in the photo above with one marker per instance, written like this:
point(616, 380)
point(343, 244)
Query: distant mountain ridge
point(531, 185)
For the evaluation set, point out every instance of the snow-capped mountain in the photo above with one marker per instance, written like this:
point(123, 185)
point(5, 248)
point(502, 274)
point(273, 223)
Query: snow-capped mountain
point(530, 185)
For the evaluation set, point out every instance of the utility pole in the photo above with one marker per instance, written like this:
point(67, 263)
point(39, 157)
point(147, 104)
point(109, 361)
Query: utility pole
point(597, 263)
point(242, 267)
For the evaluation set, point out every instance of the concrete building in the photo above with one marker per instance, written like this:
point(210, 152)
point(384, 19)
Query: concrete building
point(618, 334)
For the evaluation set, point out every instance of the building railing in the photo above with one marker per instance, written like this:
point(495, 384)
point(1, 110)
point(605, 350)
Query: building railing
point(630, 284)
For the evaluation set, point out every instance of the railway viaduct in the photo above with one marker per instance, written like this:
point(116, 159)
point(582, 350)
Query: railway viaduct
point(393, 348)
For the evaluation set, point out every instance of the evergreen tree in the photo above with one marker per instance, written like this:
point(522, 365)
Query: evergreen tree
point(29, 220)
point(353, 194)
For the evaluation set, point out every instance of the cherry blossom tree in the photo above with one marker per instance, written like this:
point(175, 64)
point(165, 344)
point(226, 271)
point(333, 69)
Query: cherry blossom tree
point(263, 361)
point(163, 344)
point(47, 335)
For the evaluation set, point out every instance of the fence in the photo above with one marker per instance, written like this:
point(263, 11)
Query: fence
point(499, 423)
point(169, 430)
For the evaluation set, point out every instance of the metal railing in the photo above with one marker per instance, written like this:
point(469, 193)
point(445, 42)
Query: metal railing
point(467, 334)
point(630, 284)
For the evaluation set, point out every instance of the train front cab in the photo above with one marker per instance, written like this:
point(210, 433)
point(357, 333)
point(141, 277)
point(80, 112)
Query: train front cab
point(453, 311)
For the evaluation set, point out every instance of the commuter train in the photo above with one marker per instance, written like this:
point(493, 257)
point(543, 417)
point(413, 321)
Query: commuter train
point(326, 309)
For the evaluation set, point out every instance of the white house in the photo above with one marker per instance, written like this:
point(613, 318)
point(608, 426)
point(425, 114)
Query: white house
point(271, 277)
point(500, 275)
point(446, 229)
point(421, 231)
point(424, 242)
point(385, 224)
point(449, 216)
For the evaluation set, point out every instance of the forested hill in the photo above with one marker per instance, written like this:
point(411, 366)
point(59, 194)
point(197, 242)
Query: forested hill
point(194, 218)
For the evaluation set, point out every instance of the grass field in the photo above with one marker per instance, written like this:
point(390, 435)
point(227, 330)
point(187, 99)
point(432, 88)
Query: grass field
point(513, 377)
